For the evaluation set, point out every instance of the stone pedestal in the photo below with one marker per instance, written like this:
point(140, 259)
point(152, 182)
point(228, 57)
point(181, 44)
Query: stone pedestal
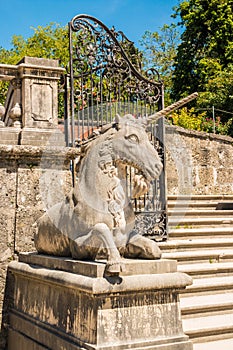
point(61, 303)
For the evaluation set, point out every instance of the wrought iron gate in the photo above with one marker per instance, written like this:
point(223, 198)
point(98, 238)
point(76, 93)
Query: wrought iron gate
point(102, 82)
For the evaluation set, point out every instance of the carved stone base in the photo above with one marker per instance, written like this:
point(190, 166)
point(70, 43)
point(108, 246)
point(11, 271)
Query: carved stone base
point(42, 137)
point(66, 304)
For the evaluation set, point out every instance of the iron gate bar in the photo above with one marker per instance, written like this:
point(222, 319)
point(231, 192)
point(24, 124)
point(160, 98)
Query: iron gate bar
point(104, 82)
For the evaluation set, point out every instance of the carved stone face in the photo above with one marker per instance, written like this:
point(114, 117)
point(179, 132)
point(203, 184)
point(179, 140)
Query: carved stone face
point(132, 147)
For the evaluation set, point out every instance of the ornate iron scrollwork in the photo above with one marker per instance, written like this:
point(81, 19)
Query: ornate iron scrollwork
point(104, 82)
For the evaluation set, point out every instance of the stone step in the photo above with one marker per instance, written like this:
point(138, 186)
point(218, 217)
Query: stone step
point(222, 344)
point(210, 255)
point(186, 233)
point(192, 204)
point(201, 197)
point(201, 213)
point(172, 245)
point(199, 328)
point(201, 240)
point(206, 304)
point(190, 222)
point(207, 269)
point(210, 284)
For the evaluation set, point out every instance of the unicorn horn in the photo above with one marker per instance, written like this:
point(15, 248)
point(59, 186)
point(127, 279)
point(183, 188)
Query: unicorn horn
point(171, 108)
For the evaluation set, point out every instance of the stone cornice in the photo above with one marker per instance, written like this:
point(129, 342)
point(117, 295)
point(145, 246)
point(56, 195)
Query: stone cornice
point(25, 152)
point(98, 286)
point(8, 71)
point(198, 134)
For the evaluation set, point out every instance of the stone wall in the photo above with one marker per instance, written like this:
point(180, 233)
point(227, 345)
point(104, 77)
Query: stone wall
point(198, 163)
point(28, 176)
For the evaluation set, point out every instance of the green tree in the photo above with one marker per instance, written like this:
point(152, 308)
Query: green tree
point(206, 47)
point(50, 41)
point(159, 52)
point(218, 91)
point(189, 119)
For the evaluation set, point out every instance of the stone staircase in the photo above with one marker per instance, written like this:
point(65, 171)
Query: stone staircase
point(201, 240)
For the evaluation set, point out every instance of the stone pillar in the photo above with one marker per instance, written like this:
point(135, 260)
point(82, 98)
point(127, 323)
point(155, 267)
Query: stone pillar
point(60, 303)
point(39, 78)
point(30, 115)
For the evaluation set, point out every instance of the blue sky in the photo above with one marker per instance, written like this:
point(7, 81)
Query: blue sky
point(133, 17)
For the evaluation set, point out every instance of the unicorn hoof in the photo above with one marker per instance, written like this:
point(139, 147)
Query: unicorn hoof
point(113, 268)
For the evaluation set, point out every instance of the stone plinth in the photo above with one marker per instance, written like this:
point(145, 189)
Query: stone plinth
point(66, 304)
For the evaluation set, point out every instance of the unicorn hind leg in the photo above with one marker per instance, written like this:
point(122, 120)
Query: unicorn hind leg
point(99, 239)
point(49, 239)
point(142, 247)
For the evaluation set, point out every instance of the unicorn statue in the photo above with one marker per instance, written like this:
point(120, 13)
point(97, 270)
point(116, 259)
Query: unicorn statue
point(96, 220)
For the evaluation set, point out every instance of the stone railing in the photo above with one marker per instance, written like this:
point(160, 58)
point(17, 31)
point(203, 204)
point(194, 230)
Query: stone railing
point(29, 116)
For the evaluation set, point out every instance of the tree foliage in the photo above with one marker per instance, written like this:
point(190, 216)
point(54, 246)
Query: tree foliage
point(159, 51)
point(204, 60)
point(190, 119)
point(206, 47)
point(50, 41)
point(218, 91)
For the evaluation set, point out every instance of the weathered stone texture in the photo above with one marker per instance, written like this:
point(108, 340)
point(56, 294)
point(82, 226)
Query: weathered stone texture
point(22, 199)
point(33, 199)
point(5, 258)
point(97, 219)
point(63, 309)
point(7, 220)
point(8, 176)
point(199, 163)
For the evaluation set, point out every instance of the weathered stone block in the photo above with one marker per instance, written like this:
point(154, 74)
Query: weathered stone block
point(9, 136)
point(67, 304)
point(225, 176)
point(211, 156)
point(39, 137)
point(8, 178)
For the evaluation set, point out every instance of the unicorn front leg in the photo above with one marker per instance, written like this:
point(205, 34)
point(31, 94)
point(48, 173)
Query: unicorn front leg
point(99, 239)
